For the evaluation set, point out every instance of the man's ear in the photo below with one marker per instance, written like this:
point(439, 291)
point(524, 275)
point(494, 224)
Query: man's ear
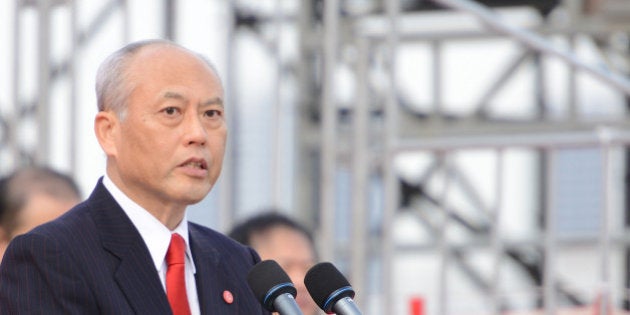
point(106, 128)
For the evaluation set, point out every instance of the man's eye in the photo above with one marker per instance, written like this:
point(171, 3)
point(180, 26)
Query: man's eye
point(170, 110)
point(213, 113)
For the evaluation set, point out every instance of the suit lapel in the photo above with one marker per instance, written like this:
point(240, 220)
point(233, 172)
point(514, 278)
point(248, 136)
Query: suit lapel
point(206, 264)
point(213, 277)
point(136, 276)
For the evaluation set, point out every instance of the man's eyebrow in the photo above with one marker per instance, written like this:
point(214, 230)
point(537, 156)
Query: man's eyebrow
point(174, 95)
point(213, 101)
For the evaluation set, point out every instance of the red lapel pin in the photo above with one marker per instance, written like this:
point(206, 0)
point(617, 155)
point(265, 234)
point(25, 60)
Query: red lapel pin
point(228, 297)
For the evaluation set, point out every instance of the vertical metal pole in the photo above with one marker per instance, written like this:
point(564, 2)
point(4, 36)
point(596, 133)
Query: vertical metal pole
point(124, 5)
point(307, 194)
point(13, 123)
point(360, 171)
point(389, 173)
point(604, 229)
point(549, 272)
point(626, 224)
point(547, 157)
point(497, 244)
point(443, 243)
point(42, 152)
point(73, 88)
point(438, 117)
point(573, 8)
point(170, 19)
point(229, 177)
point(540, 89)
point(573, 110)
point(278, 163)
point(328, 130)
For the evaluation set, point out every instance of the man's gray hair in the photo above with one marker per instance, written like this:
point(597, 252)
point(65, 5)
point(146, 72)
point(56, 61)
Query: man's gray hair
point(112, 87)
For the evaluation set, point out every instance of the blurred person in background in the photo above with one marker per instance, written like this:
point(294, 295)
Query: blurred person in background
point(33, 195)
point(280, 238)
point(129, 248)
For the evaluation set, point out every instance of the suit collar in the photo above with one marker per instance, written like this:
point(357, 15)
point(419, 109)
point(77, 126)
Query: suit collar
point(137, 279)
point(154, 233)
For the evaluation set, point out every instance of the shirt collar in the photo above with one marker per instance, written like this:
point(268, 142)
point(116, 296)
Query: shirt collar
point(156, 235)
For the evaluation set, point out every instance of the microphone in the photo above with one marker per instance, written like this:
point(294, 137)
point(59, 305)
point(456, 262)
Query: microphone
point(273, 288)
point(330, 290)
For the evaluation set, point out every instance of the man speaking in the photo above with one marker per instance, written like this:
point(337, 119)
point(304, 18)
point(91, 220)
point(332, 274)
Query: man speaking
point(129, 249)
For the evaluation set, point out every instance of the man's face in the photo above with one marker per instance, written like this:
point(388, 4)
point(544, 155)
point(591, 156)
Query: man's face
point(170, 143)
point(295, 254)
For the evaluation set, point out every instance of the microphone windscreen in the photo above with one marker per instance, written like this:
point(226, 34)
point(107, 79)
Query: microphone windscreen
point(324, 281)
point(268, 280)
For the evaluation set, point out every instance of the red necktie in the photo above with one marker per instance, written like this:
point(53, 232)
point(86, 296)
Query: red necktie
point(175, 278)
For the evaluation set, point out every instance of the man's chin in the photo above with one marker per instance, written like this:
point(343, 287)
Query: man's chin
point(194, 196)
point(194, 201)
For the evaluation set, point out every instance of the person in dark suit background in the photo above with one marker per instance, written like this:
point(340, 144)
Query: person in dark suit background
point(32, 195)
point(161, 124)
point(279, 237)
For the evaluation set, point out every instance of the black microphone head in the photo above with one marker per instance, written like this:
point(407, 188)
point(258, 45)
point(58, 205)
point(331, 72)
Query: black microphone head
point(267, 280)
point(327, 285)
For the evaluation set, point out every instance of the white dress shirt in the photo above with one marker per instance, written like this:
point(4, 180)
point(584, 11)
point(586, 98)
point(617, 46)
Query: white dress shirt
point(157, 237)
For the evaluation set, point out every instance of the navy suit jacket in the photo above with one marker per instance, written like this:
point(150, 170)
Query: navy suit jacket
point(92, 260)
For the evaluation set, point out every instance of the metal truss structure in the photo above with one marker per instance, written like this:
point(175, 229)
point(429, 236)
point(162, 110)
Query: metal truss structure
point(350, 186)
point(384, 123)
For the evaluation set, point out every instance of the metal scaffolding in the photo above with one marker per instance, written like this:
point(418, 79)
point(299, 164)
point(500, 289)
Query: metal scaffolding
point(382, 127)
point(349, 185)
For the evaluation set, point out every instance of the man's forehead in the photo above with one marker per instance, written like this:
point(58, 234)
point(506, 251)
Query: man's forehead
point(161, 55)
